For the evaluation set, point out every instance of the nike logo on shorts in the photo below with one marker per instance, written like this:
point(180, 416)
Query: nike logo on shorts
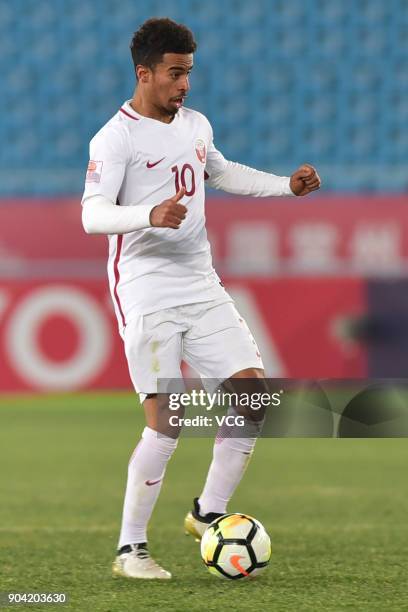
point(153, 164)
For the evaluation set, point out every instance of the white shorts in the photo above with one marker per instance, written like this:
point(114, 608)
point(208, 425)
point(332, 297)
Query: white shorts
point(211, 337)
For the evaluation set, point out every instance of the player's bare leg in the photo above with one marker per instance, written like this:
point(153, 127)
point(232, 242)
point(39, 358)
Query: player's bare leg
point(231, 456)
point(146, 471)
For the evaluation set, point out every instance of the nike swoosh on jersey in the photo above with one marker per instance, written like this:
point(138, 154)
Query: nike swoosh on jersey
point(152, 482)
point(153, 164)
point(234, 560)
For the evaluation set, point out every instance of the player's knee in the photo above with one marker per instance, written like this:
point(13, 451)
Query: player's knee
point(166, 444)
point(250, 373)
point(248, 393)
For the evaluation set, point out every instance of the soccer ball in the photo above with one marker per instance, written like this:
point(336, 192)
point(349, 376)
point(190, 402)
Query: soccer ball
point(235, 546)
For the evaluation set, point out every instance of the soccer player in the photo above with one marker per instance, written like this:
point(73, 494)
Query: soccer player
point(145, 189)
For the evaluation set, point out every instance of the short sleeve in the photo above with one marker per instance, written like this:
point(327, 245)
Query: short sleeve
point(216, 162)
point(109, 156)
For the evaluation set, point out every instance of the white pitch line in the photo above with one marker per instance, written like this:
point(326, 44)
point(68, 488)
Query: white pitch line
point(44, 529)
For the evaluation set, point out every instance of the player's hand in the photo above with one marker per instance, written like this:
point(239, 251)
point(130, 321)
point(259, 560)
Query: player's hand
point(169, 213)
point(304, 180)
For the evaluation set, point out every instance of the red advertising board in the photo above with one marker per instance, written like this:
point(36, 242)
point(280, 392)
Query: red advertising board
point(293, 265)
point(336, 235)
point(62, 334)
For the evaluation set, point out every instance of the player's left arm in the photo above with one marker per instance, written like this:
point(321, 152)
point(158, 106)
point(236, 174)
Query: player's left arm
point(242, 180)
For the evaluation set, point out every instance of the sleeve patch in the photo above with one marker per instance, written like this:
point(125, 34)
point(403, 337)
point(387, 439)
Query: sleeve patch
point(94, 171)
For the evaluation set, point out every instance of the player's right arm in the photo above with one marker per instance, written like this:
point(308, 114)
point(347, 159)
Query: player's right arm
point(109, 156)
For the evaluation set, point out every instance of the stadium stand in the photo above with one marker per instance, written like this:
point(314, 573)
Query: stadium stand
point(282, 82)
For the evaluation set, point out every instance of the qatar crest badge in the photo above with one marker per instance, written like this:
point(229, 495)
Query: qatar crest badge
point(200, 150)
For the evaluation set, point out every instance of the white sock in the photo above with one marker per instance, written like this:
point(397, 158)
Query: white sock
point(146, 470)
point(231, 456)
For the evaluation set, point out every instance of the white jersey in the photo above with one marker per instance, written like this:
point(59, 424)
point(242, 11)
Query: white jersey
point(137, 161)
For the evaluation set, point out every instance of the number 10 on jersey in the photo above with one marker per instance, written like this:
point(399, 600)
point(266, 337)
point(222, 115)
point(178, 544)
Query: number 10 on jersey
point(184, 178)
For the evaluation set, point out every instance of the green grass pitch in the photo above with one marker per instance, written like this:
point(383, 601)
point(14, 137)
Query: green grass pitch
point(336, 511)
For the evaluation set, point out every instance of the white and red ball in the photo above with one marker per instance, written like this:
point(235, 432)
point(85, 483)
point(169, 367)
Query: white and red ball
point(236, 546)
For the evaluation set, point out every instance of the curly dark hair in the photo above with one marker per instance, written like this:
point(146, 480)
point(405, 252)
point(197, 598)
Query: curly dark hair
point(158, 36)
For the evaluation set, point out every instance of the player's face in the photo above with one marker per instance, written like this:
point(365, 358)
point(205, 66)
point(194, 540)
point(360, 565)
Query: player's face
point(169, 82)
